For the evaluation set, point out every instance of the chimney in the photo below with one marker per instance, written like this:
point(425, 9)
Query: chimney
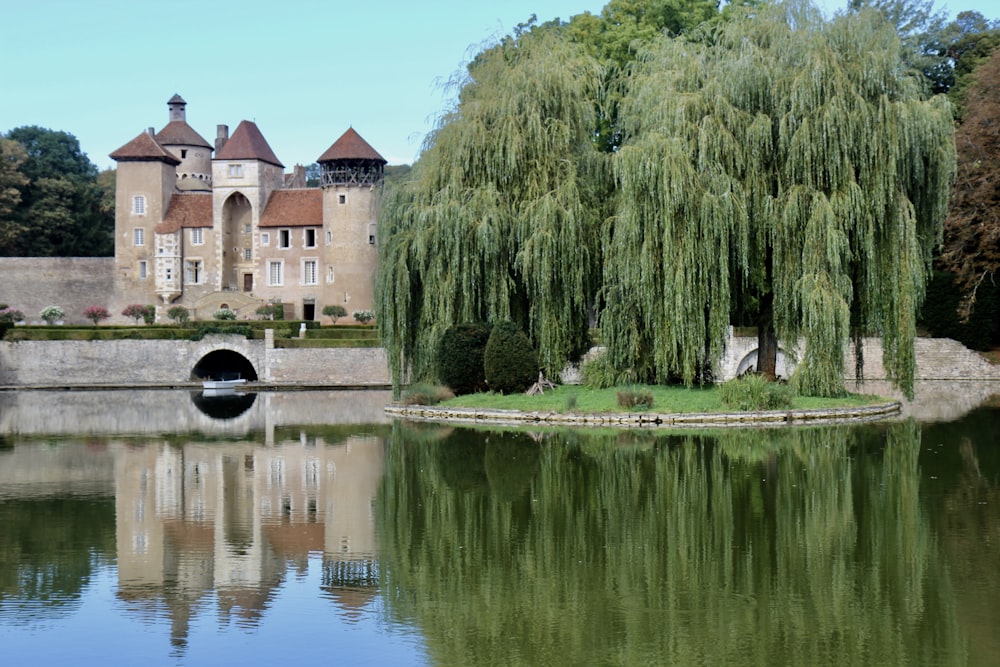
point(221, 136)
point(151, 131)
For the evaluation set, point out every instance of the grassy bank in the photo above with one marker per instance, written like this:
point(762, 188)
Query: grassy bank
point(580, 399)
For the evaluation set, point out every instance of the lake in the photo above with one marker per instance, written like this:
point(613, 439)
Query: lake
point(161, 527)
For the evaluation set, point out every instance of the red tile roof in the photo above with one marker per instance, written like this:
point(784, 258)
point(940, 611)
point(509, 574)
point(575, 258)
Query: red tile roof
point(294, 208)
point(187, 210)
point(143, 148)
point(247, 143)
point(179, 133)
point(350, 146)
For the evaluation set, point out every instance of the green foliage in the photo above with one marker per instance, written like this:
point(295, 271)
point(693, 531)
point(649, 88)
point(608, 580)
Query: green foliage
point(825, 194)
point(364, 316)
point(210, 329)
point(334, 312)
point(224, 314)
point(52, 201)
point(268, 310)
point(510, 362)
point(500, 217)
point(753, 392)
point(460, 357)
point(179, 314)
point(635, 398)
point(10, 315)
point(425, 394)
point(52, 313)
point(599, 373)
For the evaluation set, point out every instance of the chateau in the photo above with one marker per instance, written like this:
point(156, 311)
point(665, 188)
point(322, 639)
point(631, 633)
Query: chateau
point(208, 226)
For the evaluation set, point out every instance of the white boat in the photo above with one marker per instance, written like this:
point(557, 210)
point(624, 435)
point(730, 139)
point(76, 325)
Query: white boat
point(222, 384)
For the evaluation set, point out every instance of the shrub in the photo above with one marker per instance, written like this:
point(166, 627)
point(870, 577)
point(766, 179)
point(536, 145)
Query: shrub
point(136, 311)
point(224, 314)
point(208, 329)
point(425, 394)
point(639, 399)
point(460, 357)
point(149, 314)
point(509, 361)
point(598, 373)
point(334, 312)
point(267, 311)
point(96, 313)
point(756, 392)
point(364, 316)
point(179, 314)
point(10, 315)
point(52, 313)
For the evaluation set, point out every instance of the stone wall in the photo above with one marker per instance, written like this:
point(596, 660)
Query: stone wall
point(140, 362)
point(72, 283)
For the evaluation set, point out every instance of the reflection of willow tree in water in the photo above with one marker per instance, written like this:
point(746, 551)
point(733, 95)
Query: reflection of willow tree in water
point(741, 547)
point(50, 548)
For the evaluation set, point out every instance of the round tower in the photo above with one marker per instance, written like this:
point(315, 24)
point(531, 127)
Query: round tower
point(195, 154)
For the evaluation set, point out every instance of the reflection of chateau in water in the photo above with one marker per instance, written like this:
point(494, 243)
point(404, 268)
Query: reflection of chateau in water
point(231, 518)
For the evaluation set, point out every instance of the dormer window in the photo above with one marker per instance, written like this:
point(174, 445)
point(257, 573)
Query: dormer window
point(236, 171)
point(139, 205)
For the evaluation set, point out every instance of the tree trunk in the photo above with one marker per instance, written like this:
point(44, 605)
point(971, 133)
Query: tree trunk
point(767, 341)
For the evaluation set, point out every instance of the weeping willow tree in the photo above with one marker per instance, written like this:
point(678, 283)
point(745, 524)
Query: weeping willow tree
point(500, 219)
point(780, 164)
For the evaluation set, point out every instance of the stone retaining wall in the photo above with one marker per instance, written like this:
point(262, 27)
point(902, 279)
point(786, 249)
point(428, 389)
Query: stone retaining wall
point(58, 363)
point(162, 362)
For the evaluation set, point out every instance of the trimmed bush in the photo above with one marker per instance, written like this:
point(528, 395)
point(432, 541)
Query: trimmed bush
point(96, 313)
point(334, 312)
point(136, 311)
point(460, 357)
point(10, 315)
point(179, 314)
point(364, 316)
point(752, 392)
point(51, 314)
point(510, 362)
point(224, 314)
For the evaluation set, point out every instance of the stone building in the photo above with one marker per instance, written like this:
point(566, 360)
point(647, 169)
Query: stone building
point(208, 226)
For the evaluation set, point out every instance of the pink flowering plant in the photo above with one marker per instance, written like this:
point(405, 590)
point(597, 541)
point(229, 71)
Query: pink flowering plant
point(96, 313)
point(135, 311)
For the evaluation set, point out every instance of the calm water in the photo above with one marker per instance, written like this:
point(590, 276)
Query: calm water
point(155, 528)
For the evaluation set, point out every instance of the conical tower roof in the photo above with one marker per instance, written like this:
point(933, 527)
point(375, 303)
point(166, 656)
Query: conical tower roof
point(247, 143)
point(350, 146)
point(144, 148)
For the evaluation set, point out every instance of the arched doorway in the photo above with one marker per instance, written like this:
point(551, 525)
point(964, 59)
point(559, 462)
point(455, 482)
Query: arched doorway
point(237, 241)
point(782, 367)
point(224, 365)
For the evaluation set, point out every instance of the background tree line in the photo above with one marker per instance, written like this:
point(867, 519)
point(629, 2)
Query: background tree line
point(53, 200)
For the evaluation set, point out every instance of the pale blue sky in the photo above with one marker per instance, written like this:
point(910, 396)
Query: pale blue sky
point(303, 70)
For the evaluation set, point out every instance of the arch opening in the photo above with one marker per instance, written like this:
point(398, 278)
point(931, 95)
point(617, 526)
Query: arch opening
point(224, 365)
point(782, 367)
